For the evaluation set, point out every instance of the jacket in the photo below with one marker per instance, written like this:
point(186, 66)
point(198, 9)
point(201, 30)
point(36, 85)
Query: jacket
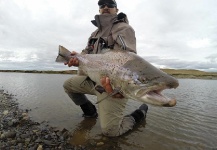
point(113, 32)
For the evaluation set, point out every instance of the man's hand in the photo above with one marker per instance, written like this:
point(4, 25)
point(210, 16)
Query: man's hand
point(73, 61)
point(105, 81)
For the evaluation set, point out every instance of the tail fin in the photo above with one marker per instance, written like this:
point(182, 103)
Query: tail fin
point(60, 59)
point(64, 54)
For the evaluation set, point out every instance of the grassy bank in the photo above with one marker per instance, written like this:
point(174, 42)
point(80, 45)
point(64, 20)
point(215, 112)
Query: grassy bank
point(180, 73)
point(192, 74)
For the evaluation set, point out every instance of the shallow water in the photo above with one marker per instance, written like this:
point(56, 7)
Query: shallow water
point(191, 124)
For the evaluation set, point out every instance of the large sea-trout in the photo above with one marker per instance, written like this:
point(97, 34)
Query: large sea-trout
point(129, 74)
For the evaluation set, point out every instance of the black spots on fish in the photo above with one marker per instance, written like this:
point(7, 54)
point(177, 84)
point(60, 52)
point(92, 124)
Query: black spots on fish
point(136, 65)
point(141, 72)
point(142, 79)
point(113, 69)
point(170, 85)
point(132, 82)
point(154, 78)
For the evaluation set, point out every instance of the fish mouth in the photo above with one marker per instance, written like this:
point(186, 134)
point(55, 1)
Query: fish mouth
point(157, 97)
point(153, 95)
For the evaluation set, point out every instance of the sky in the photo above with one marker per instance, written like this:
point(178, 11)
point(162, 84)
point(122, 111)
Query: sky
point(178, 34)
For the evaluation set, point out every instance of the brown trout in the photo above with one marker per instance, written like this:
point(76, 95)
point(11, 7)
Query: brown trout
point(129, 74)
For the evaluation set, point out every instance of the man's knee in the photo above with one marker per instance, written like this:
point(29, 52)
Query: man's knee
point(66, 86)
point(69, 85)
point(125, 125)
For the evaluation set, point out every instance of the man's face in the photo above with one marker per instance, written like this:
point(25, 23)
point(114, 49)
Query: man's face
point(107, 9)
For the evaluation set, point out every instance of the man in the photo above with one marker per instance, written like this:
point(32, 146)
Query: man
point(113, 32)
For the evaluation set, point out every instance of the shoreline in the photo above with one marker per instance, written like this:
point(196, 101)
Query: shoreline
point(180, 73)
point(19, 131)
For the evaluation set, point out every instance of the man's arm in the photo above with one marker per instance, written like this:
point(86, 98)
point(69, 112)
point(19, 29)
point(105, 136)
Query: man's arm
point(74, 61)
point(124, 36)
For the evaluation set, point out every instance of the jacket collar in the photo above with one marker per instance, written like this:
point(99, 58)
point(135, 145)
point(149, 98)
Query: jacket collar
point(103, 20)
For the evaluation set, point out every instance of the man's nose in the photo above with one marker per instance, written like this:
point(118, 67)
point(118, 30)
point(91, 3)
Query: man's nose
point(106, 7)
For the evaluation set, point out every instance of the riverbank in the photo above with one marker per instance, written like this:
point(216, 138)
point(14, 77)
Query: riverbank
point(180, 73)
point(18, 131)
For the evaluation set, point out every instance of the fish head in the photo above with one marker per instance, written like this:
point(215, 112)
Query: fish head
point(149, 90)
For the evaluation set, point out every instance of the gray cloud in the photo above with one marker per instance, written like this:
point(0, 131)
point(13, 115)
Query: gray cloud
point(182, 64)
point(171, 33)
point(212, 58)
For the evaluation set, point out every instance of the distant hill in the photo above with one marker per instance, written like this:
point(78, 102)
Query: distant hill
point(184, 73)
point(42, 71)
point(178, 73)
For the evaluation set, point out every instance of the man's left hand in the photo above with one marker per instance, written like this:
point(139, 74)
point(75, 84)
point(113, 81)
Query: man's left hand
point(105, 81)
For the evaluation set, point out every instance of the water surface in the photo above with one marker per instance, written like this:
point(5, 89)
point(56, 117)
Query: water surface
point(191, 124)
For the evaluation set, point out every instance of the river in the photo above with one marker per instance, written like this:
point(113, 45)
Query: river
point(191, 124)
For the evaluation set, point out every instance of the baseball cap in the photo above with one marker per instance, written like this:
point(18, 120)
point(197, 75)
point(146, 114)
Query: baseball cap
point(102, 2)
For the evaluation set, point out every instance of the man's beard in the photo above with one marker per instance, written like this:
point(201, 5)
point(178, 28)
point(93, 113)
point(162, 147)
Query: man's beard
point(106, 11)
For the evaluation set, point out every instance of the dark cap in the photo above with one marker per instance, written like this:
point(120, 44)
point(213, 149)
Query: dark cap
point(101, 2)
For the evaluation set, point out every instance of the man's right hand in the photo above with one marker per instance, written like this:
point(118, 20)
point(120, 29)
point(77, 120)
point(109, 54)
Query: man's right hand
point(73, 61)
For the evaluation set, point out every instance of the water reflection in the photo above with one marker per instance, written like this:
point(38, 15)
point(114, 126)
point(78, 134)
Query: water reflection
point(80, 135)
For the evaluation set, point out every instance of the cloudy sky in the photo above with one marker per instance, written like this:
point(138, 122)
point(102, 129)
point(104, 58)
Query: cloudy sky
point(179, 34)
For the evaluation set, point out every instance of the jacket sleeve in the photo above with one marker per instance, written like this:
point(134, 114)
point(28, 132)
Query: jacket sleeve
point(124, 37)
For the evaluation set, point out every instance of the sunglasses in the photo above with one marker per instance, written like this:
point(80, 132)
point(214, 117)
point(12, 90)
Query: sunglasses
point(108, 5)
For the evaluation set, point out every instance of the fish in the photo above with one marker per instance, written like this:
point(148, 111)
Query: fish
point(129, 74)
